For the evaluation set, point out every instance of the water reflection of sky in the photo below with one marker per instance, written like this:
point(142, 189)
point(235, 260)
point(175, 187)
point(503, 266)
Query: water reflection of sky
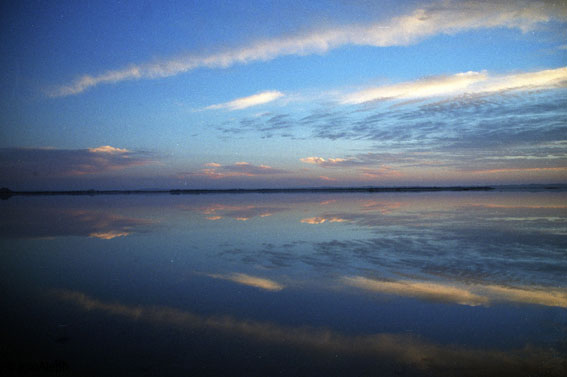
point(416, 278)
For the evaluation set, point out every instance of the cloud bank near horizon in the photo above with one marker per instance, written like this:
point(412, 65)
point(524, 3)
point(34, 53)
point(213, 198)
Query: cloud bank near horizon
point(52, 163)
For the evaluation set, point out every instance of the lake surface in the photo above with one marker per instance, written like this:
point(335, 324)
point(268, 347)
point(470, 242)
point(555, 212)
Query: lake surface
point(380, 284)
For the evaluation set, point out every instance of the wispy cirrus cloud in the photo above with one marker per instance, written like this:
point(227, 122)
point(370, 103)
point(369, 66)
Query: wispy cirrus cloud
point(469, 83)
point(239, 169)
point(246, 102)
point(447, 17)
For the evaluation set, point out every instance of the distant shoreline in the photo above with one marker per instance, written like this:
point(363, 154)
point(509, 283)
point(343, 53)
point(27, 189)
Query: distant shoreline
point(7, 193)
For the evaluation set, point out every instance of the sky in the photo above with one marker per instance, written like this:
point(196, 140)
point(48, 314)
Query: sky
point(265, 94)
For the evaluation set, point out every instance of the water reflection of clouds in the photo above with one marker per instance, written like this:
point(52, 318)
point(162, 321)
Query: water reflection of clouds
point(463, 294)
point(471, 256)
point(501, 240)
point(322, 219)
point(251, 281)
point(384, 207)
point(49, 222)
point(219, 211)
point(411, 351)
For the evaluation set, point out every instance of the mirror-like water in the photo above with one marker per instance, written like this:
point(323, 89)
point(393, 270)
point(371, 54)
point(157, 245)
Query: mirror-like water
point(409, 284)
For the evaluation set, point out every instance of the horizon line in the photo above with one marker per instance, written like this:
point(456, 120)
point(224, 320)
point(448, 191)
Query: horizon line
point(6, 192)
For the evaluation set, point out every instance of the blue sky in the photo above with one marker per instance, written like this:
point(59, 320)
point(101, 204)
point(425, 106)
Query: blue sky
point(221, 94)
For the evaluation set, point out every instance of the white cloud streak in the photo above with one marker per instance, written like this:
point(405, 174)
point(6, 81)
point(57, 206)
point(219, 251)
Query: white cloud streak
point(470, 83)
point(245, 102)
point(447, 17)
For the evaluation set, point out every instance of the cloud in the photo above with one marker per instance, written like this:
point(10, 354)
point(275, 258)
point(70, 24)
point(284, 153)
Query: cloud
point(33, 163)
point(238, 169)
point(351, 162)
point(446, 17)
point(321, 220)
point(213, 165)
point(245, 102)
point(466, 83)
point(251, 281)
point(108, 149)
point(331, 162)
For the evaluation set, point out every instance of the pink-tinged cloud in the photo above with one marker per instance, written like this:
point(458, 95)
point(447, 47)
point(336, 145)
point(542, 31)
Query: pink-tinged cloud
point(238, 169)
point(214, 218)
point(108, 149)
point(325, 178)
point(331, 162)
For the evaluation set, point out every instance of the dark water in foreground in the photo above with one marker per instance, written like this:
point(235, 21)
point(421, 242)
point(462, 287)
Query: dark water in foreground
point(406, 284)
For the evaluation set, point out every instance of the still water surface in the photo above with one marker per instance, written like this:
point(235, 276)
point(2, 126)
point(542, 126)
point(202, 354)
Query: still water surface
point(385, 284)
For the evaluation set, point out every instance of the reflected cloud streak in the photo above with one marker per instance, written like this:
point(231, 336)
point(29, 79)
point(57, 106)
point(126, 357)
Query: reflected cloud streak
point(405, 349)
point(471, 295)
point(109, 235)
point(251, 281)
point(425, 290)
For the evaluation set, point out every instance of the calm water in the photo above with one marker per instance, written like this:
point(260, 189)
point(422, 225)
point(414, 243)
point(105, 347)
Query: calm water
point(285, 284)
